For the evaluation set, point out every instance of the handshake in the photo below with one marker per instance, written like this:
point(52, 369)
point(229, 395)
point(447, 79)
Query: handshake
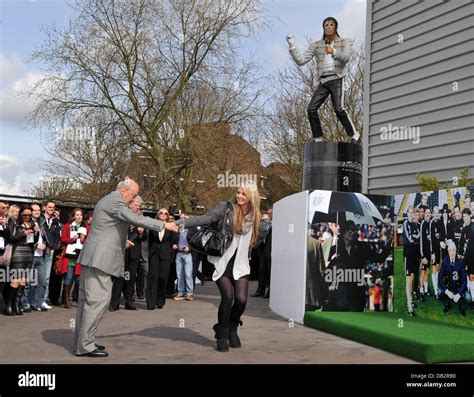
point(172, 226)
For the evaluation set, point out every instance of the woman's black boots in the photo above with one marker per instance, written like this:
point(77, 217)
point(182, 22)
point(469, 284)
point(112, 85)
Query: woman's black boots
point(17, 304)
point(234, 340)
point(9, 309)
point(222, 337)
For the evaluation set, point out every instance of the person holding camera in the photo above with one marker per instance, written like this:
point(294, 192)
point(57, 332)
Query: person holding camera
point(232, 269)
point(73, 236)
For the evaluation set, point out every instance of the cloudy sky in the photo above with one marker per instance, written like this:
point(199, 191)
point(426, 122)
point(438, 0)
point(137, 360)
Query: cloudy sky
point(21, 23)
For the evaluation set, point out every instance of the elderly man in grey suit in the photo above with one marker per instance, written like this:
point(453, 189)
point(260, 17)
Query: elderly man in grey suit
point(102, 257)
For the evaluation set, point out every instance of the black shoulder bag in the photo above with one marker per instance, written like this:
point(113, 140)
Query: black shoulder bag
point(212, 239)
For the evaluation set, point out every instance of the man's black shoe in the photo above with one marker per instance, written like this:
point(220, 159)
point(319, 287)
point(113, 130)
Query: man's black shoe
point(129, 306)
point(94, 353)
point(99, 347)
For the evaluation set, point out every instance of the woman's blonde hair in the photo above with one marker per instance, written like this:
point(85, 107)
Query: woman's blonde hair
point(251, 191)
point(12, 209)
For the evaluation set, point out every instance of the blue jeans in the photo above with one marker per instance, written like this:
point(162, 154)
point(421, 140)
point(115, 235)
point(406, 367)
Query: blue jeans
point(70, 277)
point(30, 288)
point(184, 271)
point(43, 266)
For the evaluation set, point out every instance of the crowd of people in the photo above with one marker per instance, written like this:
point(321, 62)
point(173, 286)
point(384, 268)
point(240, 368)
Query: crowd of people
point(440, 240)
point(37, 252)
point(30, 241)
point(365, 250)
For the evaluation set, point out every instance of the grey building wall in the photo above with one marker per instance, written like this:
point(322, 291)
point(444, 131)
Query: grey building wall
point(410, 81)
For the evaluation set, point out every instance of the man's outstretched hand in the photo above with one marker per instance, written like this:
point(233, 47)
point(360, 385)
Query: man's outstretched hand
point(171, 226)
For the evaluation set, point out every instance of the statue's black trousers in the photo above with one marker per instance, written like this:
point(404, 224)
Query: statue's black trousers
point(334, 88)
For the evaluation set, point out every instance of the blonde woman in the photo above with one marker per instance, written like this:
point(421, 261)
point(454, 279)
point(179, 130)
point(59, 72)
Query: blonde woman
point(232, 269)
point(12, 217)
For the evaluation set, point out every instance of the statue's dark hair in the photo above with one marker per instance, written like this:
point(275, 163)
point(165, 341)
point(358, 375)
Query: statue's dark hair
point(335, 23)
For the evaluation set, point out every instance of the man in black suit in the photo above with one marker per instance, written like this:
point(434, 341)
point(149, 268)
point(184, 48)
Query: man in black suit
point(263, 288)
point(137, 235)
point(160, 257)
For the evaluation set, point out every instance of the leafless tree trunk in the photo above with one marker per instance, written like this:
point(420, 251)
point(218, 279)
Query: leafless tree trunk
point(133, 71)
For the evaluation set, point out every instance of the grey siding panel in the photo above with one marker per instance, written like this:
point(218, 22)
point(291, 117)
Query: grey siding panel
point(420, 114)
point(430, 140)
point(440, 40)
point(411, 85)
point(444, 91)
point(433, 14)
point(384, 10)
point(462, 75)
point(431, 160)
point(443, 68)
point(451, 148)
point(424, 101)
point(452, 57)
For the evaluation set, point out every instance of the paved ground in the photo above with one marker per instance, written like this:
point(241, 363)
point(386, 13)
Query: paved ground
point(180, 333)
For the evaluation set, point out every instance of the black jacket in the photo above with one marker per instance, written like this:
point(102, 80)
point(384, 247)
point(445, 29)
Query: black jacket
point(51, 234)
point(161, 249)
point(136, 238)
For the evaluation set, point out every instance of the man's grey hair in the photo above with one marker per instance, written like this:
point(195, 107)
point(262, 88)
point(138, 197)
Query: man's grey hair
point(452, 244)
point(125, 184)
point(138, 200)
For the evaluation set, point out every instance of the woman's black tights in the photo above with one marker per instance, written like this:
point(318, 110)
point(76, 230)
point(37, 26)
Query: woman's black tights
point(233, 299)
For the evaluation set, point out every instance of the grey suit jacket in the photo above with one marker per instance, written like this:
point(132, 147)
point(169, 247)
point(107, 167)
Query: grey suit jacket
point(104, 248)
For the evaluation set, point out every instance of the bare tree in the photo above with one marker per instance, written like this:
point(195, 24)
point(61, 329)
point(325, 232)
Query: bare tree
point(90, 152)
point(54, 188)
point(133, 66)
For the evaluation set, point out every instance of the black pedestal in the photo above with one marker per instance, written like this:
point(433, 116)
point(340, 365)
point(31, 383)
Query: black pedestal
point(335, 166)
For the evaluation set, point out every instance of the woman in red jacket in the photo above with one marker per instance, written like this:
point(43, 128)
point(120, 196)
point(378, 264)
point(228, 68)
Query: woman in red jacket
point(73, 237)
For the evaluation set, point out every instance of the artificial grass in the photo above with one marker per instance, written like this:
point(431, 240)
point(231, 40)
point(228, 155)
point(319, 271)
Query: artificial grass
point(431, 309)
point(422, 340)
